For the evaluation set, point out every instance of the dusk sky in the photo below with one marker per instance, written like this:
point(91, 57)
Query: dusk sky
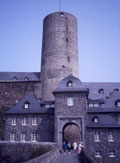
point(21, 23)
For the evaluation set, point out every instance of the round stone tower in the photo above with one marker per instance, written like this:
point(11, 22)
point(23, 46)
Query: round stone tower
point(59, 51)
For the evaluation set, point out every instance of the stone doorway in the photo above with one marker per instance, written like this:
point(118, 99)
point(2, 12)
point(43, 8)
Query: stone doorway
point(71, 133)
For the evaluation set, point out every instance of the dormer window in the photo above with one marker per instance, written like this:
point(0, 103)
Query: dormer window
point(26, 78)
point(14, 78)
point(118, 103)
point(95, 119)
point(61, 14)
point(101, 91)
point(26, 105)
point(70, 84)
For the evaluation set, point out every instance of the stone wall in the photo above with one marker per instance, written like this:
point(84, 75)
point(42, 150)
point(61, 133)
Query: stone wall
point(65, 114)
point(44, 128)
point(21, 152)
point(103, 145)
point(48, 157)
point(12, 92)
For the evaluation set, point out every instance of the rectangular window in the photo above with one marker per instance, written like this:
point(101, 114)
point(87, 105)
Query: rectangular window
point(23, 137)
point(34, 121)
point(13, 121)
point(12, 137)
point(70, 101)
point(97, 136)
point(33, 137)
point(110, 137)
point(119, 120)
point(24, 121)
point(96, 105)
point(90, 105)
point(111, 153)
point(97, 153)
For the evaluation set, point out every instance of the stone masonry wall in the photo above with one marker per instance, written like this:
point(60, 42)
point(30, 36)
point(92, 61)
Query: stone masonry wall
point(104, 145)
point(44, 128)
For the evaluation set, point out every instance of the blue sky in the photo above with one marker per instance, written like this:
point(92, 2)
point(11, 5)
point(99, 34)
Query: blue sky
point(98, 34)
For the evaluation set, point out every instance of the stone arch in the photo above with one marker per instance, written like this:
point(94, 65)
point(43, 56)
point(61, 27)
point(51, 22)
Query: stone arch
point(71, 133)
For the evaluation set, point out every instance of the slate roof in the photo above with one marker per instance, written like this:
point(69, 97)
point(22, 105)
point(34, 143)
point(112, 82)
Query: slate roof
point(105, 120)
point(34, 106)
point(95, 87)
point(8, 76)
point(77, 85)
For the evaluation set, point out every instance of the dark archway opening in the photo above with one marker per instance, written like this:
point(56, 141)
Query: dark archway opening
point(71, 133)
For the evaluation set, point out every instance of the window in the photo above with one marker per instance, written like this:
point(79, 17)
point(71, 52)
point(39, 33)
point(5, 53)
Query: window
point(111, 153)
point(24, 121)
point(47, 106)
point(13, 121)
point(95, 119)
point(66, 39)
point(61, 14)
point(34, 121)
point(12, 137)
point(119, 119)
point(90, 105)
point(6, 93)
point(70, 101)
point(23, 137)
point(52, 105)
point(101, 91)
point(26, 105)
point(68, 59)
point(33, 137)
point(110, 137)
point(118, 103)
point(97, 153)
point(93, 105)
point(97, 136)
point(69, 83)
point(26, 78)
point(14, 78)
point(96, 105)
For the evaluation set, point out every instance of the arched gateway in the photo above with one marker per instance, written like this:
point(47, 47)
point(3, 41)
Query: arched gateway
point(71, 133)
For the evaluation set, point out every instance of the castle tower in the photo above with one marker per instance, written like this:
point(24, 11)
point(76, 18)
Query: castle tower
point(59, 51)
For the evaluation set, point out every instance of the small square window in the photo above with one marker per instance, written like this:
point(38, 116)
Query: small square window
point(95, 119)
point(69, 84)
point(96, 105)
point(70, 101)
point(26, 105)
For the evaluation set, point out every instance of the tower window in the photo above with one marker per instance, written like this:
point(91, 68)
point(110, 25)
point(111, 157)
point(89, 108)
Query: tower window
point(70, 101)
point(66, 39)
point(68, 59)
point(70, 84)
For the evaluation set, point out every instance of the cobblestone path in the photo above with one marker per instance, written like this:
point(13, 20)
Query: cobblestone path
point(68, 158)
